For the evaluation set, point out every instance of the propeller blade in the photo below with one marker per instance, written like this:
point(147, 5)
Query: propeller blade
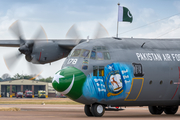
point(40, 34)
point(100, 31)
point(15, 28)
point(36, 76)
point(34, 69)
point(11, 60)
point(73, 33)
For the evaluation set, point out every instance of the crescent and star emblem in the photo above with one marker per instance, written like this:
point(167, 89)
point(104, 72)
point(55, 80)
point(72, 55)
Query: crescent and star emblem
point(57, 77)
point(69, 88)
point(128, 13)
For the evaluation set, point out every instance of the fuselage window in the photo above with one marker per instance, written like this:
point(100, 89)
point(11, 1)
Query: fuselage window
point(101, 70)
point(84, 67)
point(98, 71)
point(95, 70)
point(85, 53)
point(100, 56)
point(76, 53)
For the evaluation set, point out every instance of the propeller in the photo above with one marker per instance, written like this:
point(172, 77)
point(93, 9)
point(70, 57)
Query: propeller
point(73, 33)
point(10, 60)
point(100, 32)
point(26, 47)
point(16, 30)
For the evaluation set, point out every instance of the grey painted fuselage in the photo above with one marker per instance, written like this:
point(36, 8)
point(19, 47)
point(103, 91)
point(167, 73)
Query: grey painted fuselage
point(154, 64)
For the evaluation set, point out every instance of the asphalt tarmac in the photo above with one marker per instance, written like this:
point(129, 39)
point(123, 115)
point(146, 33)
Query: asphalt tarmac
point(76, 112)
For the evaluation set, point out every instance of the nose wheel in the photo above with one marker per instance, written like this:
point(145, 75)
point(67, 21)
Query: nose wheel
point(96, 110)
point(87, 110)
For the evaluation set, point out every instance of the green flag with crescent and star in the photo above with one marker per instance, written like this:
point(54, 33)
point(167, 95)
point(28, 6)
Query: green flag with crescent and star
point(124, 15)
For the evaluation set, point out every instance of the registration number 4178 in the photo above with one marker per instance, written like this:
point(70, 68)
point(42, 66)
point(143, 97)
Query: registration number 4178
point(72, 61)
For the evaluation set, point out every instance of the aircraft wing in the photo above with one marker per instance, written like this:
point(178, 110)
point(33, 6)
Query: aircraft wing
point(9, 43)
point(65, 43)
point(68, 43)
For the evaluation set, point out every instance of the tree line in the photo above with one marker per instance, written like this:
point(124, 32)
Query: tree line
point(7, 77)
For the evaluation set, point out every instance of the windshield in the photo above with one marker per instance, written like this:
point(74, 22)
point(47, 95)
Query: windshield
point(100, 53)
point(80, 52)
point(29, 92)
point(85, 53)
point(93, 55)
point(100, 56)
point(76, 53)
point(42, 92)
point(19, 93)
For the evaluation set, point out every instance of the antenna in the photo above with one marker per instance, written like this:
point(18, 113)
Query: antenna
point(87, 39)
point(143, 45)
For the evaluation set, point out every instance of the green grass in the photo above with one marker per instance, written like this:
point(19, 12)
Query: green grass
point(9, 109)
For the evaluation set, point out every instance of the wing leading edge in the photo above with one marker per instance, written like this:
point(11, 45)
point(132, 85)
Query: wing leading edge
point(9, 43)
point(65, 43)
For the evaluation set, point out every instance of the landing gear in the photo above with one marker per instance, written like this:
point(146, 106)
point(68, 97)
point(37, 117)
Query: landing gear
point(171, 109)
point(87, 110)
point(96, 110)
point(156, 110)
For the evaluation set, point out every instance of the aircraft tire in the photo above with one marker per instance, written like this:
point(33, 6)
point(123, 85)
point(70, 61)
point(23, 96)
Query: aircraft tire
point(156, 110)
point(171, 110)
point(97, 110)
point(87, 110)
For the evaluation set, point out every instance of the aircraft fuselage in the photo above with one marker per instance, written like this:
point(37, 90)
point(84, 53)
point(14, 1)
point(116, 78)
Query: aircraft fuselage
point(122, 72)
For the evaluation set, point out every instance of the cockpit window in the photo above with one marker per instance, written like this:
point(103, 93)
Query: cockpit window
point(76, 53)
point(70, 53)
point(97, 53)
point(93, 55)
point(98, 48)
point(100, 53)
point(107, 56)
point(100, 56)
point(85, 53)
point(104, 48)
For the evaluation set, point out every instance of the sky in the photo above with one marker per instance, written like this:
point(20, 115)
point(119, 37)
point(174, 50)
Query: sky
point(158, 17)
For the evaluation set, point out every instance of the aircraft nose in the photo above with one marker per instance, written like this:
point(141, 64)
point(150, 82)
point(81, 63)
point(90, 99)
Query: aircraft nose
point(69, 81)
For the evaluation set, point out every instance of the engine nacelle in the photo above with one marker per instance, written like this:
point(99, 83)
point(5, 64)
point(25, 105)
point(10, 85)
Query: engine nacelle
point(46, 52)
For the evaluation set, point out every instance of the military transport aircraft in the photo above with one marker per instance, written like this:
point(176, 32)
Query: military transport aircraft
point(108, 73)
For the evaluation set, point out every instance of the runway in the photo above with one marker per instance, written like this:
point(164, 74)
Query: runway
point(76, 112)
